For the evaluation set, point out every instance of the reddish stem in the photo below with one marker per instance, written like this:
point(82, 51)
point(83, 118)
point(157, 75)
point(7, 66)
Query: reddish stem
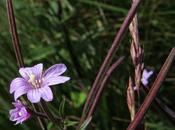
point(15, 39)
point(99, 93)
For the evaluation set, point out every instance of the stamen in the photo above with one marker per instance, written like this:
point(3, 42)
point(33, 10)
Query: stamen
point(35, 83)
point(42, 79)
point(39, 81)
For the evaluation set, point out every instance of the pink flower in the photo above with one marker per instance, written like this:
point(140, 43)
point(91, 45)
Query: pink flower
point(145, 76)
point(19, 113)
point(35, 83)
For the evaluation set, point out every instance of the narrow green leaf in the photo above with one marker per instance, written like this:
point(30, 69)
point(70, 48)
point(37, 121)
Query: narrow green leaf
point(85, 124)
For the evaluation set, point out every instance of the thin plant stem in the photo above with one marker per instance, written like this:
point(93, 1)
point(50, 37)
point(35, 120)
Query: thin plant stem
point(43, 115)
point(59, 119)
point(14, 35)
point(153, 91)
point(49, 114)
point(113, 67)
point(105, 65)
point(16, 46)
point(41, 122)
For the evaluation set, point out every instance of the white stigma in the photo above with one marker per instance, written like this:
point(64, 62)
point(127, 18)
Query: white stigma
point(20, 113)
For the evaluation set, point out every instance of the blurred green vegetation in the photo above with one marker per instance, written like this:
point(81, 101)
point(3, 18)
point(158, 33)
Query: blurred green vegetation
point(80, 37)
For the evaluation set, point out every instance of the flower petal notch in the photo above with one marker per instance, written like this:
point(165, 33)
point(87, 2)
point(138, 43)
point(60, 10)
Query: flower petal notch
point(35, 83)
point(145, 76)
point(19, 114)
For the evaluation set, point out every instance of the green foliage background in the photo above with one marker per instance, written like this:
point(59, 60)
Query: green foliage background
point(87, 29)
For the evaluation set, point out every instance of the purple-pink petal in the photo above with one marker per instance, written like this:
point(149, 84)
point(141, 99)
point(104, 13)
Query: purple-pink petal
point(144, 82)
point(146, 74)
point(46, 94)
point(20, 91)
point(13, 114)
point(56, 80)
point(55, 71)
point(17, 83)
point(34, 95)
point(35, 70)
point(25, 72)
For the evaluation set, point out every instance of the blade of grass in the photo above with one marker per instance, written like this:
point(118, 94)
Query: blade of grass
point(104, 6)
point(85, 124)
point(153, 91)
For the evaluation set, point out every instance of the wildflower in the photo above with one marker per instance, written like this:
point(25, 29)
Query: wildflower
point(35, 83)
point(19, 113)
point(145, 76)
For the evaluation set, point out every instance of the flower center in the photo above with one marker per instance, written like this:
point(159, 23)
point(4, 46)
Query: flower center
point(36, 83)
